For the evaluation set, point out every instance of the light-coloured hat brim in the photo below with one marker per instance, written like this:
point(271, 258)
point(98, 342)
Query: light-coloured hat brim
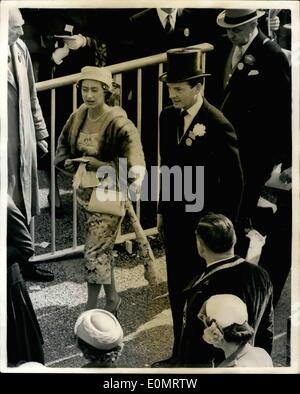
point(102, 340)
point(96, 74)
point(221, 19)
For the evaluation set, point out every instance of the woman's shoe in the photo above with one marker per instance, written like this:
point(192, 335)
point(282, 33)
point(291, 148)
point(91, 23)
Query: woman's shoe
point(116, 309)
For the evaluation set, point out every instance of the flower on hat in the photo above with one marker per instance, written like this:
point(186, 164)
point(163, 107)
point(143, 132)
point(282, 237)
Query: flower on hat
point(249, 59)
point(213, 335)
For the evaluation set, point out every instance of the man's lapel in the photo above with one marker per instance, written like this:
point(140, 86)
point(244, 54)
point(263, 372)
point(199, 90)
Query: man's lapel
point(197, 119)
point(239, 74)
point(10, 67)
point(17, 59)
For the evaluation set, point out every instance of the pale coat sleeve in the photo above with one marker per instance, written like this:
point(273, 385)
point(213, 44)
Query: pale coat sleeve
point(129, 143)
point(37, 115)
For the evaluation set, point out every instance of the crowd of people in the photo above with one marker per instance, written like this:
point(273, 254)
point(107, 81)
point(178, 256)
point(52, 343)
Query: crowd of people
point(237, 133)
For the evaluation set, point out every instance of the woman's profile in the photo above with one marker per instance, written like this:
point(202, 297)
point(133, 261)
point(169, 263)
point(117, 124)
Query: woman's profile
point(225, 317)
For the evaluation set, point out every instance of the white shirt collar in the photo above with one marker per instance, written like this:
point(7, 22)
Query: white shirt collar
point(163, 15)
point(246, 46)
point(193, 110)
point(219, 261)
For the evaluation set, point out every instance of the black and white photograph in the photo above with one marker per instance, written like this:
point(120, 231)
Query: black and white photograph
point(149, 189)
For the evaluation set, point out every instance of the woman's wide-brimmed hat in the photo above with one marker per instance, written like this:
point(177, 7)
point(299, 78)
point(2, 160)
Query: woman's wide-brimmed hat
point(99, 328)
point(184, 64)
point(101, 74)
point(237, 17)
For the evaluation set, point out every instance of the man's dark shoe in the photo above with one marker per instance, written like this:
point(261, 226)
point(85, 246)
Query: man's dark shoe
point(35, 274)
point(168, 363)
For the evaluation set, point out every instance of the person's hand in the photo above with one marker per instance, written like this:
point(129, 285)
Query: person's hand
point(93, 164)
point(274, 23)
point(42, 146)
point(76, 42)
point(286, 176)
point(160, 225)
point(137, 173)
point(60, 53)
point(69, 165)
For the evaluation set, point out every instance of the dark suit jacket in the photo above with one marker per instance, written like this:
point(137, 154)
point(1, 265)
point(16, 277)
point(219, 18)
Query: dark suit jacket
point(257, 102)
point(148, 36)
point(216, 150)
point(249, 282)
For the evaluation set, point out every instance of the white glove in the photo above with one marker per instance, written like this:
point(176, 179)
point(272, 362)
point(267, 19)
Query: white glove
point(274, 23)
point(75, 42)
point(60, 53)
point(138, 174)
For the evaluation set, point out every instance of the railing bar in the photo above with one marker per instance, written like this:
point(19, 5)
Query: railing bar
point(80, 249)
point(117, 68)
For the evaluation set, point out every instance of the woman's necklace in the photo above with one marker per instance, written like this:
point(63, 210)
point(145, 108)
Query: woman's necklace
point(95, 119)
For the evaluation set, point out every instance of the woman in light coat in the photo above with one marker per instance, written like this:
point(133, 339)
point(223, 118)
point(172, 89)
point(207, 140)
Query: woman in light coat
point(100, 135)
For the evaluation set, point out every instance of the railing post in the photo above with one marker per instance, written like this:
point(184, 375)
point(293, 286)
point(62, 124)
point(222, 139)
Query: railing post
point(139, 123)
point(74, 191)
point(52, 191)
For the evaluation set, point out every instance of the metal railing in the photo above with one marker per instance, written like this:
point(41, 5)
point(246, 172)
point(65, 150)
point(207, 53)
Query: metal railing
point(117, 70)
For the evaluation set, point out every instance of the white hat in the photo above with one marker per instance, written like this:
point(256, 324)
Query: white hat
point(236, 17)
point(99, 328)
point(31, 365)
point(101, 74)
point(226, 309)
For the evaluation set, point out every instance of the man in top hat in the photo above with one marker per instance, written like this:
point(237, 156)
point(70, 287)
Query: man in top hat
point(252, 89)
point(193, 135)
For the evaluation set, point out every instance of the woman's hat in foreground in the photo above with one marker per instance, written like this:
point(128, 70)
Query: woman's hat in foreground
point(226, 309)
point(99, 328)
point(101, 74)
point(184, 64)
point(236, 17)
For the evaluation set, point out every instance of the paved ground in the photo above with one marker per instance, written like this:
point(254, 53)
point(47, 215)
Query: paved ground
point(144, 315)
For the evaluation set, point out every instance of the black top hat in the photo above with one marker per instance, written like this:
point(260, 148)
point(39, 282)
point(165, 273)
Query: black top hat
point(184, 64)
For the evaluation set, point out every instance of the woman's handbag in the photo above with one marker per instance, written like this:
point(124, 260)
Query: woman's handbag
point(106, 201)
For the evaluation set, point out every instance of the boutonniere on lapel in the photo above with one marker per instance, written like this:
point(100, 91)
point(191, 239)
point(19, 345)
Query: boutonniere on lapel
point(186, 32)
point(249, 60)
point(198, 131)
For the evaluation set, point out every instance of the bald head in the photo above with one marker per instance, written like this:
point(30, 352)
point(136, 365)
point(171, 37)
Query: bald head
point(15, 23)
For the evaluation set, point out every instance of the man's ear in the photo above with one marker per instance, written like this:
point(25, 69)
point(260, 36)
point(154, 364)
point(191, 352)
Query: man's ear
point(200, 246)
point(198, 87)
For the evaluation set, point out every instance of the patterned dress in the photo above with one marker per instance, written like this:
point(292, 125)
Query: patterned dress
point(102, 229)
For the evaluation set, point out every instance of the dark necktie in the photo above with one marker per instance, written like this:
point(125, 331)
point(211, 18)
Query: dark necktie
point(181, 124)
point(168, 26)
